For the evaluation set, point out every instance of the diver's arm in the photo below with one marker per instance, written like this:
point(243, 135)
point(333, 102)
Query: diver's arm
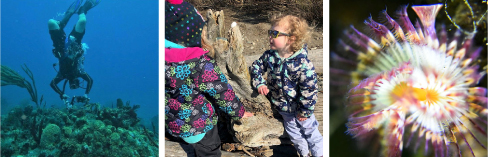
point(89, 80)
point(55, 87)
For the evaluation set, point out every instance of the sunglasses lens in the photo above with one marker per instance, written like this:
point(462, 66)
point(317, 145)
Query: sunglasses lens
point(273, 33)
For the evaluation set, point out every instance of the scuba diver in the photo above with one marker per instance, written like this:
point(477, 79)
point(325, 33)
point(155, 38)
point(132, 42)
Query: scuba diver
point(69, 51)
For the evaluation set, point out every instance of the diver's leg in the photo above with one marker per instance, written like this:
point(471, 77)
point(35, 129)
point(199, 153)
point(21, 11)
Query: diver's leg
point(53, 24)
point(89, 81)
point(56, 29)
point(71, 10)
point(57, 36)
point(81, 24)
point(79, 29)
point(88, 5)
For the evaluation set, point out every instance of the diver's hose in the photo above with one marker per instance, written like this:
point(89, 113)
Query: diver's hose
point(54, 67)
point(64, 85)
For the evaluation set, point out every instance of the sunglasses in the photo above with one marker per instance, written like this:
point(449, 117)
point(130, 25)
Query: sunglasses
point(276, 34)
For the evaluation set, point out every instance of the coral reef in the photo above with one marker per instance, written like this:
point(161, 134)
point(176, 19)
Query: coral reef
point(50, 136)
point(89, 130)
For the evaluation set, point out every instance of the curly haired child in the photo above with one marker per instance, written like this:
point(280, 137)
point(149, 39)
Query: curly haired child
point(193, 81)
point(292, 81)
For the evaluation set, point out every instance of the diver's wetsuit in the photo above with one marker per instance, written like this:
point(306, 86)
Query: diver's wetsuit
point(70, 59)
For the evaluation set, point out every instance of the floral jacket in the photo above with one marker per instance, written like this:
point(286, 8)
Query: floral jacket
point(194, 88)
point(292, 81)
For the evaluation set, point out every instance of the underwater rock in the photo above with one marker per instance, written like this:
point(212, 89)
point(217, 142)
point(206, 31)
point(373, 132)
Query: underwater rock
point(124, 116)
point(50, 136)
point(80, 122)
point(120, 103)
point(114, 137)
point(67, 131)
point(14, 118)
point(7, 145)
point(28, 110)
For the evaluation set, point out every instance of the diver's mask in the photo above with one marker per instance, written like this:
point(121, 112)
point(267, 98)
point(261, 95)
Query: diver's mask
point(74, 83)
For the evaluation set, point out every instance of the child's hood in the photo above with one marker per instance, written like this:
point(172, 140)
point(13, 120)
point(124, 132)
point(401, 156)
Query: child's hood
point(302, 53)
point(172, 55)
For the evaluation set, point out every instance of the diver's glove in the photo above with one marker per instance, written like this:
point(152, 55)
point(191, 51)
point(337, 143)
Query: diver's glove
point(64, 97)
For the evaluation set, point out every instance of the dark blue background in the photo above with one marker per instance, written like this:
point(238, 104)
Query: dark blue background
point(122, 59)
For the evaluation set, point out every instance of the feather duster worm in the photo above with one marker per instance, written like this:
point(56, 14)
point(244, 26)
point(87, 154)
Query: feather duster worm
point(413, 80)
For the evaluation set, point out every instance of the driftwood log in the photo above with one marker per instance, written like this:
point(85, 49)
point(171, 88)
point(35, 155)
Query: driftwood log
point(265, 128)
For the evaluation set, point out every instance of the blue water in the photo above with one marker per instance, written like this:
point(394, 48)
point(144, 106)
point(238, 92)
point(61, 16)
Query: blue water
point(122, 59)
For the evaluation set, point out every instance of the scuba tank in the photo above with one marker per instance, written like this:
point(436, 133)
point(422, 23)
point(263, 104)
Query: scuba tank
point(67, 43)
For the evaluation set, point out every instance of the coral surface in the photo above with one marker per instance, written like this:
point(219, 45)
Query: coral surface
point(89, 130)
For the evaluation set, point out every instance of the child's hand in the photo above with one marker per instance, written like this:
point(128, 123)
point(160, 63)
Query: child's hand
point(247, 114)
point(300, 118)
point(263, 90)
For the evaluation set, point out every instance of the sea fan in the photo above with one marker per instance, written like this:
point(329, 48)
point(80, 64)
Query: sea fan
point(415, 81)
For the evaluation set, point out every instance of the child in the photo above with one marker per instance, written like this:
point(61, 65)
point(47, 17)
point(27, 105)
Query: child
point(293, 81)
point(192, 81)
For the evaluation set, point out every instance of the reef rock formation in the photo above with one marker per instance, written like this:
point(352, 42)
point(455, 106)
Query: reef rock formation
point(89, 130)
point(50, 136)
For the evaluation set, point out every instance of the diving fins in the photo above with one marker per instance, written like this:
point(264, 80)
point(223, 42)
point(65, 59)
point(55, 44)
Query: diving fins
point(88, 5)
point(71, 10)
